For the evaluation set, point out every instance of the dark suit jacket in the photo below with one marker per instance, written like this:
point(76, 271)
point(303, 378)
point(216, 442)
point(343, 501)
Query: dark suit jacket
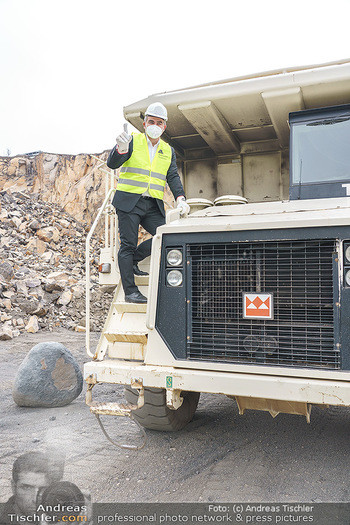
point(125, 201)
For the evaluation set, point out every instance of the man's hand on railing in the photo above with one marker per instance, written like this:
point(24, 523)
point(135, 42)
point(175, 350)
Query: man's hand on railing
point(182, 205)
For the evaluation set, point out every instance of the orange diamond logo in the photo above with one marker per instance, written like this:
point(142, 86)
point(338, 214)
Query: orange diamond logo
point(257, 302)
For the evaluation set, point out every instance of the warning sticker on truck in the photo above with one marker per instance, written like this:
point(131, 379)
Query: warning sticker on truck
point(257, 305)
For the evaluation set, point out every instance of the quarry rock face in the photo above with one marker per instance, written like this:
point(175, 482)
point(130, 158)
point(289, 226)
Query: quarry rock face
point(75, 182)
point(49, 376)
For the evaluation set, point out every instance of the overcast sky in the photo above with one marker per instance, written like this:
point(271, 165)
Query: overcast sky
point(69, 66)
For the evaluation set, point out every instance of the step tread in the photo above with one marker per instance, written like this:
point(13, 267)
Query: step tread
point(127, 336)
point(112, 409)
point(123, 306)
point(141, 280)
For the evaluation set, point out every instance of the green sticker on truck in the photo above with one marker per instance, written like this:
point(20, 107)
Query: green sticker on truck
point(169, 382)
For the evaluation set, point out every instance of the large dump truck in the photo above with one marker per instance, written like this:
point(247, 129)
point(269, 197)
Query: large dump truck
point(248, 295)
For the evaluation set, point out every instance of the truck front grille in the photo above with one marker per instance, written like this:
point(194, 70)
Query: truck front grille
point(299, 274)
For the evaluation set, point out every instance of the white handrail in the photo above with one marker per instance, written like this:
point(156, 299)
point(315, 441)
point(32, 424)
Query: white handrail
point(87, 270)
point(155, 263)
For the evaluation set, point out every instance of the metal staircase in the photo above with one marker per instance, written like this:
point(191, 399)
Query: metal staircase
point(124, 335)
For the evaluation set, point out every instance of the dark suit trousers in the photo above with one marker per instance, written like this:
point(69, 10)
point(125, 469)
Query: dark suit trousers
point(147, 213)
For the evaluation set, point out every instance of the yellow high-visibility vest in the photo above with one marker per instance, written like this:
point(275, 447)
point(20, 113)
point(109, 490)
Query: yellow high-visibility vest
point(138, 174)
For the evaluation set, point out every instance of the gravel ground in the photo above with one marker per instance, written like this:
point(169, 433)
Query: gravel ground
point(218, 457)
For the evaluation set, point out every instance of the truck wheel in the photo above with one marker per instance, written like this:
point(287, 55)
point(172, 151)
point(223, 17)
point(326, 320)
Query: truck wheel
point(155, 414)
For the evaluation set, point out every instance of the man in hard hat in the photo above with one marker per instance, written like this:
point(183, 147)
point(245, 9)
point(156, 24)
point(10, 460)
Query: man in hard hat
point(147, 164)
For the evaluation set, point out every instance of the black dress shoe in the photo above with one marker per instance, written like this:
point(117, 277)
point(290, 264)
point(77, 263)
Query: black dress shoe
point(135, 297)
point(137, 270)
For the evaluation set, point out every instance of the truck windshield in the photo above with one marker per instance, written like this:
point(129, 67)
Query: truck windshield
point(321, 151)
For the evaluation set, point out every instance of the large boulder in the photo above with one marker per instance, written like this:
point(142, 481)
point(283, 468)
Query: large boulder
point(49, 376)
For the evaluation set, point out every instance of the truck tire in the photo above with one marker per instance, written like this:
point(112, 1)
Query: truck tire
point(155, 414)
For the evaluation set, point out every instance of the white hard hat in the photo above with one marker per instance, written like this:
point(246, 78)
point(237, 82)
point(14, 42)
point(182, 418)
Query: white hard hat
point(156, 109)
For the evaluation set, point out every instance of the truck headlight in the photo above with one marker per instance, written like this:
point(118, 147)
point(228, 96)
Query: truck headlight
point(347, 254)
point(347, 277)
point(174, 278)
point(174, 257)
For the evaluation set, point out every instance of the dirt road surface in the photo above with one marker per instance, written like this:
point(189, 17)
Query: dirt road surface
point(219, 457)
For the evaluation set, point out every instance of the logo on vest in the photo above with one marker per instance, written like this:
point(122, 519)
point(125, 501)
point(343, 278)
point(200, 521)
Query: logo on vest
point(161, 153)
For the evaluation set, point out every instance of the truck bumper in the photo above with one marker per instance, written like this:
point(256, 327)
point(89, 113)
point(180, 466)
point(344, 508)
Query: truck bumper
point(283, 388)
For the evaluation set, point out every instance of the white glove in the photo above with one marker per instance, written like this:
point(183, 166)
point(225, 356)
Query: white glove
point(182, 205)
point(123, 141)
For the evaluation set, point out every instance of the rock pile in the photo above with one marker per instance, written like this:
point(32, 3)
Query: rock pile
point(42, 268)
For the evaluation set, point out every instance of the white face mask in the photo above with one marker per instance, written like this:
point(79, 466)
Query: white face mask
point(154, 131)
